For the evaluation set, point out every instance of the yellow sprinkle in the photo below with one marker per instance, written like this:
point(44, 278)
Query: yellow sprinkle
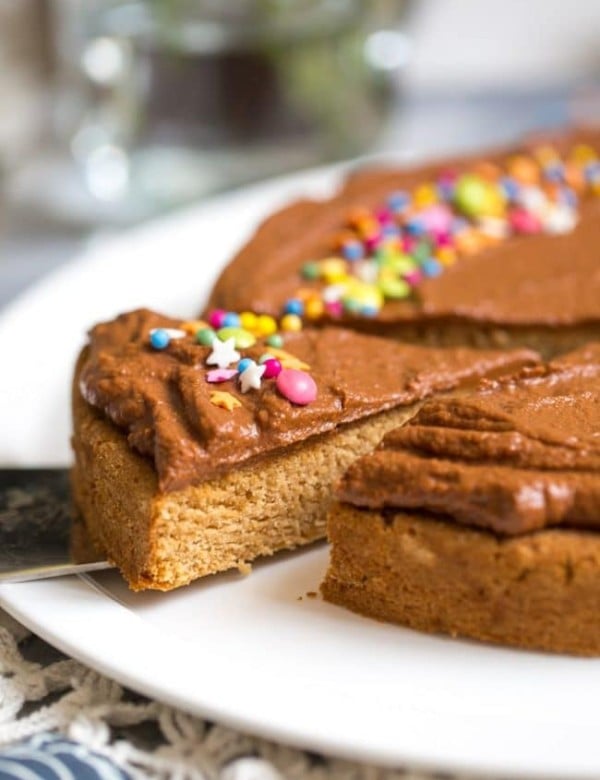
point(224, 400)
point(287, 360)
point(265, 325)
point(333, 269)
point(291, 323)
point(248, 320)
point(314, 308)
point(446, 255)
point(425, 195)
point(368, 226)
point(193, 326)
point(582, 154)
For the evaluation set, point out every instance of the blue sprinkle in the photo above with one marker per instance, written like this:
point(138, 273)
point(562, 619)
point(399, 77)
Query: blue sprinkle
point(353, 250)
point(231, 320)
point(294, 306)
point(431, 267)
point(415, 228)
point(391, 231)
point(568, 197)
point(369, 311)
point(159, 338)
point(510, 188)
point(554, 172)
point(398, 201)
point(243, 364)
point(592, 172)
point(445, 190)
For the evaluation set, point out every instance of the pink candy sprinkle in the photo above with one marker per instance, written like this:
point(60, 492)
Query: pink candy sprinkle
point(413, 278)
point(436, 219)
point(408, 244)
point(297, 386)
point(384, 216)
point(372, 242)
point(216, 318)
point(334, 308)
point(272, 368)
point(220, 374)
point(523, 221)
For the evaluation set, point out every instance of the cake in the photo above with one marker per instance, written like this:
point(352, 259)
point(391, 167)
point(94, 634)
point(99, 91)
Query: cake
point(487, 250)
point(198, 450)
point(481, 517)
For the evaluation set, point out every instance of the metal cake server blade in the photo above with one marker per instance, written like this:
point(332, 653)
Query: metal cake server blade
point(39, 536)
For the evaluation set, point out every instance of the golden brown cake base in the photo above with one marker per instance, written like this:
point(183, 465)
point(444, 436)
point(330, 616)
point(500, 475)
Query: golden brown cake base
point(164, 540)
point(538, 591)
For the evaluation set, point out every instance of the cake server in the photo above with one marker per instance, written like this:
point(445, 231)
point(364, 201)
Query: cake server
point(36, 527)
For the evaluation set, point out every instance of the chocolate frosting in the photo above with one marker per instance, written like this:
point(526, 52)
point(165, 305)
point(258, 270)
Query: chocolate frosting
point(520, 453)
point(161, 398)
point(541, 280)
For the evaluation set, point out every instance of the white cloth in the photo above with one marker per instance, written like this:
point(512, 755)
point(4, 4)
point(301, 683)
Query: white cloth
point(67, 697)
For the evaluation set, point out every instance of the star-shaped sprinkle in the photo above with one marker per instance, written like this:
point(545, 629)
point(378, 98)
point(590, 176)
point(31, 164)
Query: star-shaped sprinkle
point(224, 400)
point(250, 378)
point(287, 360)
point(223, 353)
point(221, 374)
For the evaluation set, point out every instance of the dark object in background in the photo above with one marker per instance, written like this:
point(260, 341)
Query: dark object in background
point(39, 536)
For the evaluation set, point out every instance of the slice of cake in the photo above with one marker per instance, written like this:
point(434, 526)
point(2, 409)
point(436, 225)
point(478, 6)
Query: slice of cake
point(481, 517)
point(197, 451)
point(487, 250)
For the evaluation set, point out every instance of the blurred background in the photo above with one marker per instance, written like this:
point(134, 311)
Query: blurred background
point(114, 112)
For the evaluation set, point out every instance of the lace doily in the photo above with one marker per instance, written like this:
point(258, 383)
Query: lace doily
point(41, 691)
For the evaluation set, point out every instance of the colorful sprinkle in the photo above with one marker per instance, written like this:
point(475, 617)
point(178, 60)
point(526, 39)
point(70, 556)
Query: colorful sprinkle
point(231, 320)
point(392, 248)
point(159, 338)
point(288, 360)
point(297, 386)
point(216, 317)
point(224, 400)
point(241, 338)
point(291, 323)
point(248, 320)
point(206, 336)
point(275, 341)
point(191, 327)
point(220, 375)
point(223, 353)
point(265, 325)
point(273, 368)
point(294, 306)
point(244, 364)
point(250, 376)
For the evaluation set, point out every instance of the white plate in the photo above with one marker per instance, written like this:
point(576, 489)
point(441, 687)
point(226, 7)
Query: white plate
point(258, 653)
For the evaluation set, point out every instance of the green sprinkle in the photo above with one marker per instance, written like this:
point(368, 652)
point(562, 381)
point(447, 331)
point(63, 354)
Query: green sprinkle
point(275, 341)
point(311, 271)
point(205, 336)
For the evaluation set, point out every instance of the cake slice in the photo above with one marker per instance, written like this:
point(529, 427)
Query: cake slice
point(495, 249)
point(197, 451)
point(481, 517)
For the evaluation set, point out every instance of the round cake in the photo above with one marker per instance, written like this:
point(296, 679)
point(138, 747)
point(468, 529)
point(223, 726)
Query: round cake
point(487, 250)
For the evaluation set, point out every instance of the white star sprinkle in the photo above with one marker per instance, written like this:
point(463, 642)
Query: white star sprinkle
point(223, 353)
point(251, 377)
